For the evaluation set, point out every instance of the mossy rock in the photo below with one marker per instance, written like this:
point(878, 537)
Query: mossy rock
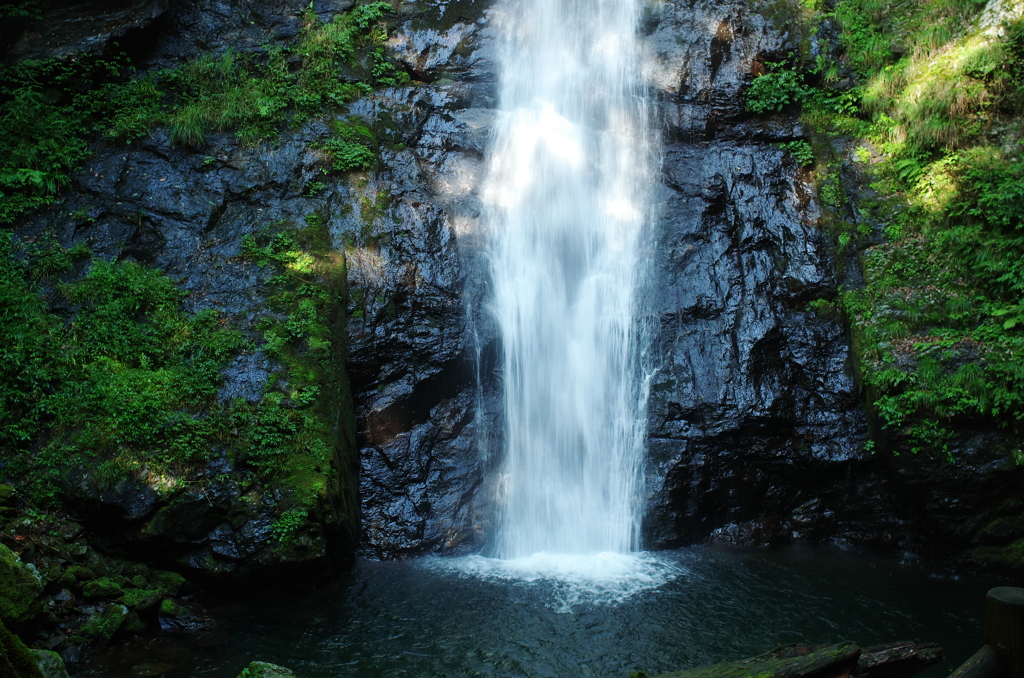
point(265, 670)
point(999, 531)
point(103, 625)
point(76, 574)
point(19, 588)
point(170, 608)
point(104, 587)
point(141, 599)
point(168, 582)
point(50, 664)
point(1009, 557)
point(133, 623)
point(6, 495)
point(16, 660)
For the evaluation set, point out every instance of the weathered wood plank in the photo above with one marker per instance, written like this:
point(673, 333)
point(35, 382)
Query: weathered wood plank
point(1004, 626)
point(899, 660)
point(794, 661)
point(842, 660)
point(985, 663)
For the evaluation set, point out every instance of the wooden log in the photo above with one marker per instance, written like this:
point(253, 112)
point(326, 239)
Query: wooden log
point(985, 663)
point(1004, 626)
point(899, 660)
point(801, 661)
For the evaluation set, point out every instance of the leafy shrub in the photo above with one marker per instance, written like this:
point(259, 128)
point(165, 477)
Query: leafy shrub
point(288, 523)
point(50, 109)
point(774, 91)
point(800, 150)
point(938, 327)
point(351, 148)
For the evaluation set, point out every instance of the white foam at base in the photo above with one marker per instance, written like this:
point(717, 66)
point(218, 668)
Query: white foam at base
point(564, 581)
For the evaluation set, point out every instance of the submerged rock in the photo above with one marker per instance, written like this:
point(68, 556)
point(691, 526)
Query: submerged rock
point(265, 670)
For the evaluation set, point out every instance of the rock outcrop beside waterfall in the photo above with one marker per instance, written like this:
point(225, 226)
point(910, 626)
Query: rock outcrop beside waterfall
point(187, 211)
point(754, 418)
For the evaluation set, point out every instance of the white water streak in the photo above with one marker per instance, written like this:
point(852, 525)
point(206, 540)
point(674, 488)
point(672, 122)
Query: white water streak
point(568, 193)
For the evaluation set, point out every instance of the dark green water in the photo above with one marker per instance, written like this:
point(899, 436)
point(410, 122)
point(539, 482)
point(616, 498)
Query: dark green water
point(424, 619)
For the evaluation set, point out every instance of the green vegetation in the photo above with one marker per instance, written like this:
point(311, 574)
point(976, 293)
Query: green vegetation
point(44, 126)
point(18, 588)
point(800, 150)
point(265, 670)
point(353, 146)
point(936, 109)
point(16, 660)
point(129, 379)
point(254, 94)
point(290, 429)
point(776, 89)
point(50, 110)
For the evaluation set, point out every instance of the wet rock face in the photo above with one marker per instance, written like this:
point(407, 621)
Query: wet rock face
point(753, 416)
point(408, 233)
point(69, 27)
point(412, 350)
point(700, 57)
point(754, 419)
point(754, 424)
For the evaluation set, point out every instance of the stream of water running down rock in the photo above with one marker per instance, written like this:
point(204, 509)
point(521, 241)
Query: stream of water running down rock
point(568, 194)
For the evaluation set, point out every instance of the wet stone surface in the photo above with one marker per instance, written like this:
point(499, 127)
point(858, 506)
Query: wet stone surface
point(755, 430)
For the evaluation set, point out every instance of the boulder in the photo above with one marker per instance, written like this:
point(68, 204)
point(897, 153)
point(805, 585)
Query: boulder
point(20, 587)
point(50, 664)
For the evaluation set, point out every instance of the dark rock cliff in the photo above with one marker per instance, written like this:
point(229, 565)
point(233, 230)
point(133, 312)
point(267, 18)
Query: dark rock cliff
point(755, 426)
point(754, 413)
point(754, 396)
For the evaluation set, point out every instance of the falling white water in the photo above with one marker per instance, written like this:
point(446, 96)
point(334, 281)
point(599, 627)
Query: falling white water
point(567, 192)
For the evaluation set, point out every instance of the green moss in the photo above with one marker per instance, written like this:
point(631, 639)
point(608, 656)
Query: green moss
point(103, 587)
point(132, 380)
point(103, 625)
point(1009, 557)
point(16, 660)
point(77, 573)
point(301, 434)
point(132, 623)
point(19, 588)
point(170, 608)
point(50, 664)
point(168, 582)
point(265, 670)
point(141, 599)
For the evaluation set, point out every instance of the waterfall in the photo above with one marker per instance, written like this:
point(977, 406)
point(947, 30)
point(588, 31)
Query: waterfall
point(567, 194)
